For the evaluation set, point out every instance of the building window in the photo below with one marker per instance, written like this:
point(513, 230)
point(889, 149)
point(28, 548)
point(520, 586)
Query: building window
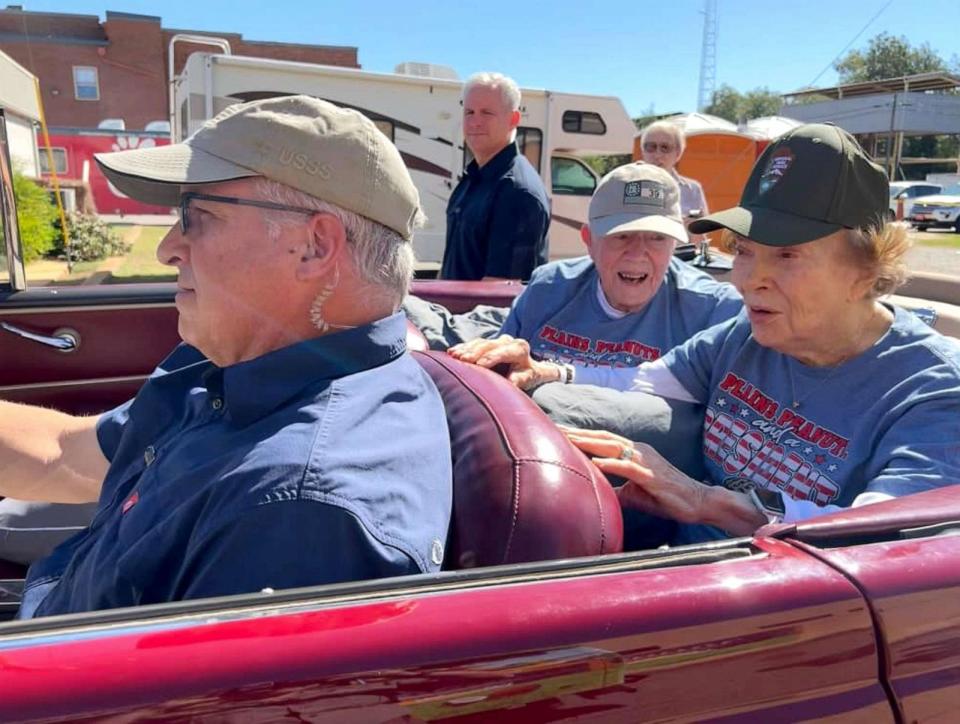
point(59, 160)
point(583, 122)
point(86, 86)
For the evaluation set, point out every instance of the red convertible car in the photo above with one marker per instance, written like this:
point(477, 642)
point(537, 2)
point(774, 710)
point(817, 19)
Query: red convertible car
point(537, 617)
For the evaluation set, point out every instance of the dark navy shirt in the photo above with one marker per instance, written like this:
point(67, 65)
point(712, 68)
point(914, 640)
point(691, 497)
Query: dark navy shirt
point(497, 220)
point(325, 461)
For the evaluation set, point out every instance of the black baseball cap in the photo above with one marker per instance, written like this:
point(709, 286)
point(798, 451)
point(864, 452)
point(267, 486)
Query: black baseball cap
point(810, 182)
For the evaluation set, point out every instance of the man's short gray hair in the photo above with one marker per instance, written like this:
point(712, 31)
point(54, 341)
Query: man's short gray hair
point(508, 88)
point(671, 129)
point(383, 258)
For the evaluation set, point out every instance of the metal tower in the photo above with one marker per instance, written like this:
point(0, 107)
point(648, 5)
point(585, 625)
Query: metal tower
point(708, 56)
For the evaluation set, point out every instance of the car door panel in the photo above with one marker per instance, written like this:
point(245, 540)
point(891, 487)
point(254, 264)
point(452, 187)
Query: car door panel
point(122, 333)
point(775, 635)
point(918, 616)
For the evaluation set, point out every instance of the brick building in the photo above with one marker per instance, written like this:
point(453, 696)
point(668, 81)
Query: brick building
point(90, 71)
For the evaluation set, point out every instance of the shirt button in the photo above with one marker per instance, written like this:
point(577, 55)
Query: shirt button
point(149, 455)
point(217, 403)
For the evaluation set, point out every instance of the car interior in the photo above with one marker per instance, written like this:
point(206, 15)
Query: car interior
point(524, 497)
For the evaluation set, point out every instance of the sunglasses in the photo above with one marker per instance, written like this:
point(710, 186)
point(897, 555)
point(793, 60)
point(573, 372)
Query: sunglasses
point(651, 147)
point(185, 200)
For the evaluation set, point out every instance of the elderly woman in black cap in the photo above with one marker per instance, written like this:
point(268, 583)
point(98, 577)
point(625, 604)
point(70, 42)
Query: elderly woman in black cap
point(819, 396)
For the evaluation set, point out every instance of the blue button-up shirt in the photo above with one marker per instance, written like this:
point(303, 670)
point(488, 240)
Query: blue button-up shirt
point(325, 461)
point(497, 220)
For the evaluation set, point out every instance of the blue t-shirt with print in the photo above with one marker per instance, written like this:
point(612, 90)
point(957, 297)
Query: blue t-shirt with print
point(886, 421)
point(560, 315)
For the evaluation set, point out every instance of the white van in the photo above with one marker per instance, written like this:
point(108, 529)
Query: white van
point(423, 117)
point(907, 191)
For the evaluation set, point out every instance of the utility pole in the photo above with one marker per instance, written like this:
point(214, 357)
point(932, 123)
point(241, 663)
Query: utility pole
point(708, 56)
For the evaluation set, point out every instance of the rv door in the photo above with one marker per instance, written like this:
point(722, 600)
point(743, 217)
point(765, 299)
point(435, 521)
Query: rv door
point(12, 277)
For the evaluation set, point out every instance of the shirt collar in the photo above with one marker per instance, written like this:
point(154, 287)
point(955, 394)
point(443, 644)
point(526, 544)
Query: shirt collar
point(497, 165)
point(253, 388)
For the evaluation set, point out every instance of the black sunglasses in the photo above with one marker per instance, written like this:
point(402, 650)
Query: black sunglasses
point(185, 200)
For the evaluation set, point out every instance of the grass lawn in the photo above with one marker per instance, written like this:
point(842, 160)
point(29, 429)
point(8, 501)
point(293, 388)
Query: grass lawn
point(141, 264)
point(943, 239)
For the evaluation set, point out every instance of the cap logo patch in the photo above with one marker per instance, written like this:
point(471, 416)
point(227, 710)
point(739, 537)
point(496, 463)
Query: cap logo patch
point(645, 193)
point(777, 167)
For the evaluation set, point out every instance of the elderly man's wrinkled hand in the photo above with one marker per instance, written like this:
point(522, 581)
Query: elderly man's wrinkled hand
point(508, 356)
point(653, 485)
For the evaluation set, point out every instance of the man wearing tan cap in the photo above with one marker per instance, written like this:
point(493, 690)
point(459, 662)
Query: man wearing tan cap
point(291, 440)
point(628, 302)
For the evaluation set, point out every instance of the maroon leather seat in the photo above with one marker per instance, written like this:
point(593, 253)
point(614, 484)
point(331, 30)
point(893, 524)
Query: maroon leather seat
point(521, 491)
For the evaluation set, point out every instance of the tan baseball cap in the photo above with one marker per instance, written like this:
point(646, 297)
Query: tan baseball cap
point(637, 197)
point(335, 154)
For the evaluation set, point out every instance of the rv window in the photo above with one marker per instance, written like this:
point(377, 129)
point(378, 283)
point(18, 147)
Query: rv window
point(571, 177)
point(583, 122)
point(86, 86)
point(59, 160)
point(530, 143)
point(386, 127)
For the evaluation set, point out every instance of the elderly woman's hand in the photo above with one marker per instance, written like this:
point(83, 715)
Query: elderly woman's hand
point(653, 485)
point(514, 354)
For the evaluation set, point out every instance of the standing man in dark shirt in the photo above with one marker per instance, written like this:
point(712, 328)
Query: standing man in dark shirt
point(498, 215)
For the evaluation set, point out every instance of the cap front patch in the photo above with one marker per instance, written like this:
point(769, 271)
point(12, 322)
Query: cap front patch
point(777, 167)
point(645, 193)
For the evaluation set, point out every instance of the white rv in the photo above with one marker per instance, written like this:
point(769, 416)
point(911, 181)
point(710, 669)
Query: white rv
point(18, 102)
point(422, 115)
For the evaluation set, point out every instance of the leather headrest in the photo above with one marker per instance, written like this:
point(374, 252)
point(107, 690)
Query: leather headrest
point(522, 491)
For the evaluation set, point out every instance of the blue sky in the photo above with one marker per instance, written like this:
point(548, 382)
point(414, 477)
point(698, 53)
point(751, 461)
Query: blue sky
point(646, 53)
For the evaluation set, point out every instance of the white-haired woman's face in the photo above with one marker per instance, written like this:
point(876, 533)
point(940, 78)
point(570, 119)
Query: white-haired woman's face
point(798, 298)
point(661, 150)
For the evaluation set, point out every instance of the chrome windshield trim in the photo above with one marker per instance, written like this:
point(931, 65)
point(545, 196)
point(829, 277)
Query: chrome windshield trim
point(72, 383)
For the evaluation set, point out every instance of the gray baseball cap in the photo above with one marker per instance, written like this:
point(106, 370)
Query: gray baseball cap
point(335, 154)
point(637, 197)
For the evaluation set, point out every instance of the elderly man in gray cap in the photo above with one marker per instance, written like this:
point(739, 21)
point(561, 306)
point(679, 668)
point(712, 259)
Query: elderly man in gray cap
point(291, 440)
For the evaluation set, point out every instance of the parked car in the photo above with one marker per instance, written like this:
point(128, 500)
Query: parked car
point(907, 192)
point(537, 615)
point(937, 212)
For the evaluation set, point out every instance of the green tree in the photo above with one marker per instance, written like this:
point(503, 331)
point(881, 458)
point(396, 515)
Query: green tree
point(735, 106)
point(35, 217)
point(726, 103)
point(760, 102)
point(888, 56)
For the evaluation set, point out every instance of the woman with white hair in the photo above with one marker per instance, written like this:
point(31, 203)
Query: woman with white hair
point(662, 144)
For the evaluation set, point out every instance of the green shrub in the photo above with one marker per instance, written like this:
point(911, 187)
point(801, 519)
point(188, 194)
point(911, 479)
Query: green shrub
point(36, 215)
point(90, 239)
